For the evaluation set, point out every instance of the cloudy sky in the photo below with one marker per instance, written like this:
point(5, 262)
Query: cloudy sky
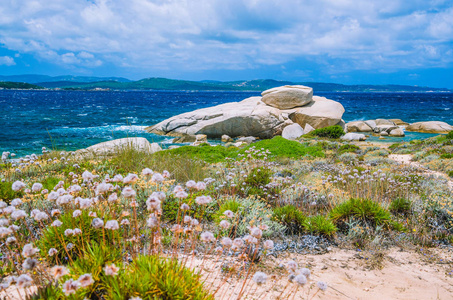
point(345, 41)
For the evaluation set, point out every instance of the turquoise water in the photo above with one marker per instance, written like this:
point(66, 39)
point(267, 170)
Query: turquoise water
point(69, 120)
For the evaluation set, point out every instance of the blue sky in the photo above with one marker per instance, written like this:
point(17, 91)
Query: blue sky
point(343, 41)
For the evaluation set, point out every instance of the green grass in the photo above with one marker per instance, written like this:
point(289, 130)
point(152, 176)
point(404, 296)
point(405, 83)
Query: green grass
point(320, 225)
point(291, 217)
point(331, 132)
point(6, 192)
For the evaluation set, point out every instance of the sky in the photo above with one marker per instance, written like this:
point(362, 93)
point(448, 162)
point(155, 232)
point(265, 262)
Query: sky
point(342, 41)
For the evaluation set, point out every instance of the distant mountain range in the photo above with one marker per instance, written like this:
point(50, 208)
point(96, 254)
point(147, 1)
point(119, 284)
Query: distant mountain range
point(119, 83)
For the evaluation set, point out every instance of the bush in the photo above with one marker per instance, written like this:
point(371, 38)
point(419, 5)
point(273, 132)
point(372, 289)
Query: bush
point(364, 210)
point(348, 148)
point(232, 205)
point(450, 173)
point(449, 136)
point(171, 207)
point(320, 225)
point(154, 277)
point(7, 193)
point(401, 206)
point(291, 217)
point(331, 132)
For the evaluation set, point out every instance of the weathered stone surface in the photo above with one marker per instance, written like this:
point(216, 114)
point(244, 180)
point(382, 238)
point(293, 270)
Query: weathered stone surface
point(250, 117)
point(320, 113)
point(292, 131)
point(288, 96)
point(384, 133)
point(430, 127)
point(308, 128)
point(386, 128)
point(384, 122)
point(371, 123)
point(398, 132)
point(201, 138)
point(358, 126)
point(226, 138)
point(399, 122)
point(186, 138)
point(111, 147)
point(351, 136)
point(246, 139)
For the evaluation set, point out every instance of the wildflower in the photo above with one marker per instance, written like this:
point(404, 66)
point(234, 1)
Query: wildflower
point(68, 232)
point(87, 176)
point(4, 232)
point(13, 228)
point(268, 244)
point(76, 231)
point(135, 298)
point(29, 250)
point(10, 240)
point(185, 206)
point(203, 200)
point(41, 216)
point(250, 239)
point(181, 195)
point(291, 265)
point(304, 271)
point(59, 271)
point(152, 222)
point(200, 186)
point(207, 237)
point(153, 203)
point(76, 213)
point(36, 187)
point(52, 196)
point(55, 212)
point(194, 222)
point(225, 224)
point(18, 185)
point(130, 178)
point(191, 184)
point(16, 202)
point(128, 192)
point(229, 214)
point(166, 174)
point(92, 214)
point(133, 203)
point(157, 177)
point(256, 232)
point(187, 219)
point(18, 214)
point(70, 246)
point(322, 285)
point(85, 280)
point(56, 223)
point(178, 188)
point(238, 243)
point(24, 281)
point(218, 250)
point(176, 228)
point(300, 279)
point(3, 204)
point(226, 242)
point(85, 203)
point(52, 251)
point(70, 287)
point(112, 225)
point(117, 178)
point(147, 172)
point(64, 199)
point(103, 188)
point(9, 210)
point(113, 197)
point(29, 264)
point(259, 278)
point(111, 270)
point(97, 223)
point(263, 227)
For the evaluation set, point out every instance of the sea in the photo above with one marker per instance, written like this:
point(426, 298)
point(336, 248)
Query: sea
point(70, 120)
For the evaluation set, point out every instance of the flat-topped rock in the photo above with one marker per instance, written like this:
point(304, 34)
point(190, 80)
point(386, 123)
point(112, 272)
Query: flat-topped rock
point(288, 96)
point(250, 117)
point(358, 126)
point(137, 143)
point(430, 127)
point(319, 113)
point(351, 136)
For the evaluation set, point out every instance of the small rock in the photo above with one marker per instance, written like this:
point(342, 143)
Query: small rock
point(398, 132)
point(186, 138)
point(247, 139)
point(350, 136)
point(226, 138)
point(292, 132)
point(201, 138)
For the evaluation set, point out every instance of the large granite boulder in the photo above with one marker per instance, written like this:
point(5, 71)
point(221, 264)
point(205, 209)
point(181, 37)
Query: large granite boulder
point(288, 96)
point(351, 136)
point(319, 113)
point(430, 127)
point(397, 132)
point(253, 117)
point(358, 126)
point(292, 132)
point(110, 147)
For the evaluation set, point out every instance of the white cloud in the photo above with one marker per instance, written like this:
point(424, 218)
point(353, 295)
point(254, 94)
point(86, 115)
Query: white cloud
point(339, 35)
point(7, 61)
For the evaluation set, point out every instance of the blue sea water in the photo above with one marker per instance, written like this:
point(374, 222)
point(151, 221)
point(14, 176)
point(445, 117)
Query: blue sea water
point(72, 120)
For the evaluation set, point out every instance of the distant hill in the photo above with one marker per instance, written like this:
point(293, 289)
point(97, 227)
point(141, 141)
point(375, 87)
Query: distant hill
point(118, 83)
point(18, 85)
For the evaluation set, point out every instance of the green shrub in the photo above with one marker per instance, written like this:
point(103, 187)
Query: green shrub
point(401, 206)
point(232, 205)
point(50, 182)
point(348, 148)
point(7, 193)
point(205, 152)
point(53, 237)
point(450, 173)
point(320, 225)
point(449, 136)
point(154, 277)
point(291, 217)
point(331, 132)
point(447, 155)
point(364, 210)
point(171, 207)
